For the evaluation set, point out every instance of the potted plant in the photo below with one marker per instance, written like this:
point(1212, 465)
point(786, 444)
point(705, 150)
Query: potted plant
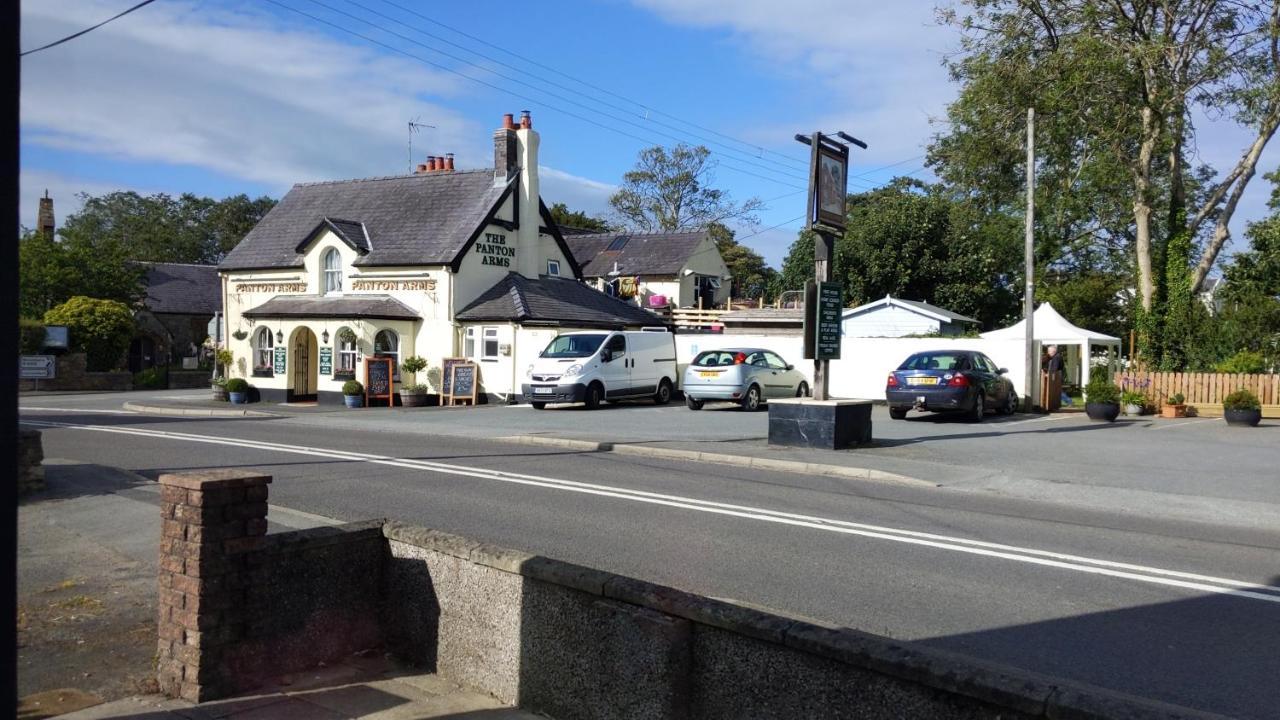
point(1242, 409)
point(238, 391)
point(1102, 400)
point(219, 385)
point(1175, 406)
point(240, 334)
point(353, 393)
point(1133, 402)
point(413, 394)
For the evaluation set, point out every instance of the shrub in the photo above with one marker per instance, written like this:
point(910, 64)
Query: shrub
point(414, 389)
point(352, 387)
point(30, 336)
point(1176, 399)
point(413, 364)
point(1102, 390)
point(240, 334)
point(237, 385)
point(220, 382)
point(224, 358)
point(1245, 361)
point(149, 379)
point(1242, 400)
point(101, 329)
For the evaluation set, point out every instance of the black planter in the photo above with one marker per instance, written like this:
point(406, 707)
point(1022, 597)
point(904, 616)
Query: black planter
point(1242, 418)
point(407, 400)
point(1107, 412)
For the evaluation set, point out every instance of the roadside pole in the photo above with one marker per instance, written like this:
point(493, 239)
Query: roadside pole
point(1028, 299)
point(822, 252)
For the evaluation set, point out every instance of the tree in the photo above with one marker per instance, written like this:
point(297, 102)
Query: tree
point(577, 219)
point(101, 329)
point(752, 276)
point(1255, 273)
point(671, 190)
point(50, 272)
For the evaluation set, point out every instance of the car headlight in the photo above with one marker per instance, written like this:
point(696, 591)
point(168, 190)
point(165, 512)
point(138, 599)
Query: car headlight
point(575, 369)
point(528, 372)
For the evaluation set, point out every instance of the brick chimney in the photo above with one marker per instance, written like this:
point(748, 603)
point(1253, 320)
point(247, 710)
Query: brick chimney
point(505, 159)
point(530, 256)
point(44, 221)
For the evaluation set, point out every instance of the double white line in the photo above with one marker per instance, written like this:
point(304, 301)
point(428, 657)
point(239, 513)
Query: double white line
point(1076, 563)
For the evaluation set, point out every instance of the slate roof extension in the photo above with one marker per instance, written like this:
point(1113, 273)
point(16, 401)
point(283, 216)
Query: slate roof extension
point(374, 307)
point(182, 289)
point(553, 301)
point(640, 254)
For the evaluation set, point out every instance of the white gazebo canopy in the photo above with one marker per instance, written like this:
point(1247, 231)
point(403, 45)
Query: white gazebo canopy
point(1050, 328)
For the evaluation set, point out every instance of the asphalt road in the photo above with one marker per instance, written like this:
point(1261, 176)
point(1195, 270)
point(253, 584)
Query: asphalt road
point(1184, 613)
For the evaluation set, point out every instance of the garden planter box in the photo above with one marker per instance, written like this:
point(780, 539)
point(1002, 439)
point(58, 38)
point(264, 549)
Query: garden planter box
point(353, 401)
point(220, 394)
point(1173, 411)
point(1107, 412)
point(238, 398)
point(1242, 418)
point(423, 400)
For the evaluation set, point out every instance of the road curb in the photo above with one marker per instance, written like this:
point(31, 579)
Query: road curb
point(790, 466)
point(194, 412)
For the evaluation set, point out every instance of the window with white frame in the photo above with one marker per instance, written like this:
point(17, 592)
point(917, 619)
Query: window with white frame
point(387, 344)
point(263, 343)
point(469, 342)
point(490, 349)
point(553, 267)
point(348, 353)
point(332, 264)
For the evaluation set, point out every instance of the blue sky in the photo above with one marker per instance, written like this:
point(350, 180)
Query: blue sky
point(220, 98)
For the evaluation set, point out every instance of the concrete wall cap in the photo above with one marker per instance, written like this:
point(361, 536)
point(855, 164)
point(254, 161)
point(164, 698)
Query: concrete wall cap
point(499, 558)
point(557, 572)
point(440, 542)
point(300, 540)
point(215, 478)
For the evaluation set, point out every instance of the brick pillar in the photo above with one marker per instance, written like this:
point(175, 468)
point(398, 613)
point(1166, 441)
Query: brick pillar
point(213, 520)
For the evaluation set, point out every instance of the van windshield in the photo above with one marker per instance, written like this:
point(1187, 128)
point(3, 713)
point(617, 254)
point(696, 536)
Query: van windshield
point(573, 346)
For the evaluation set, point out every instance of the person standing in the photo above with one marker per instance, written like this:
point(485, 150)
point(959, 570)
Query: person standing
point(1051, 379)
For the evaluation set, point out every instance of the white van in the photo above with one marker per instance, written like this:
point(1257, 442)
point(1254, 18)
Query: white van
point(592, 366)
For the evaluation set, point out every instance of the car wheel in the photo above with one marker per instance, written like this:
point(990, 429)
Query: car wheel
point(692, 403)
point(663, 396)
point(979, 408)
point(594, 395)
point(751, 401)
point(802, 390)
point(538, 405)
point(1010, 403)
point(898, 413)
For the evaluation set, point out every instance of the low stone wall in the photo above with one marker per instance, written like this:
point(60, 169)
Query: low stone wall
point(30, 457)
point(189, 379)
point(71, 374)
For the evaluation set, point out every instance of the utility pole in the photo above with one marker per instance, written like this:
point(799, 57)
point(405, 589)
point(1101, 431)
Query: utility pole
point(1028, 298)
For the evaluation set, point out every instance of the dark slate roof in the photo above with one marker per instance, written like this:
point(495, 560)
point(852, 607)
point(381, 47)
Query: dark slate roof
point(352, 233)
point(554, 301)
point(422, 219)
point(642, 254)
point(183, 289)
point(381, 307)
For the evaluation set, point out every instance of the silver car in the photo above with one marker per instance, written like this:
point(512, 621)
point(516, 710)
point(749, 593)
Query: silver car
point(747, 376)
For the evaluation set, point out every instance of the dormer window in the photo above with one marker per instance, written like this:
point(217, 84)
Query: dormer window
point(331, 263)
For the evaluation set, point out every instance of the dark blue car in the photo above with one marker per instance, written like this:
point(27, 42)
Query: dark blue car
point(964, 381)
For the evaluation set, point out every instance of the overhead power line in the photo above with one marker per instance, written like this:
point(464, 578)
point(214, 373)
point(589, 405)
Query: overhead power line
point(87, 30)
point(478, 81)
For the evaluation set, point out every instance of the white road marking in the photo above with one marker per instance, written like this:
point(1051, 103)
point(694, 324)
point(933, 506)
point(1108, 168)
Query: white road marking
point(1076, 563)
point(1185, 424)
point(25, 408)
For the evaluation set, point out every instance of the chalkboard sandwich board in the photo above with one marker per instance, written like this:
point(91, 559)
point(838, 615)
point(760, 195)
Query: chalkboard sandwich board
point(379, 380)
point(461, 381)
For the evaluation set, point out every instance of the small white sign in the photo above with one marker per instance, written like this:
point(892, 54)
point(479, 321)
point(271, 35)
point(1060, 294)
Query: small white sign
point(37, 367)
point(190, 363)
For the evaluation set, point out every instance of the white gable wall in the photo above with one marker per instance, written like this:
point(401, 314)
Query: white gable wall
point(888, 321)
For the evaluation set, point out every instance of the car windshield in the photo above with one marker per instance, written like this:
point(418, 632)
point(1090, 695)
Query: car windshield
point(711, 358)
point(573, 346)
point(935, 361)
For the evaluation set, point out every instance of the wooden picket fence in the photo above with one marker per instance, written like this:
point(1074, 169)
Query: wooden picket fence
point(1202, 390)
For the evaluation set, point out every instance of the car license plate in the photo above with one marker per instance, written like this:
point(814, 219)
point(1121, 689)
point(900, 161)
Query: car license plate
point(543, 390)
point(922, 381)
point(709, 374)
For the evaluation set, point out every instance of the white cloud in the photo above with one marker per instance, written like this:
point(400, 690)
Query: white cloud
point(579, 193)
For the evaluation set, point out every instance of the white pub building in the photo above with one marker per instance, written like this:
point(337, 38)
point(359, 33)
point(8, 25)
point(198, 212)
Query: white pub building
point(439, 264)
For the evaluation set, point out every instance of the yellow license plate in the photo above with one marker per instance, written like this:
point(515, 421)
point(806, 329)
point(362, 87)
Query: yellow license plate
point(922, 381)
point(709, 374)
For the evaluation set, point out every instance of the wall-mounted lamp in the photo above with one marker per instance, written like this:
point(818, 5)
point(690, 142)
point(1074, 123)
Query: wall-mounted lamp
point(279, 336)
point(324, 337)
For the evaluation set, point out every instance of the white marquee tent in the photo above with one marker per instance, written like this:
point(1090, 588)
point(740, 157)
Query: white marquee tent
point(1050, 328)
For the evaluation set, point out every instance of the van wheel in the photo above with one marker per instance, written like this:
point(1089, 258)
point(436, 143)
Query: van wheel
point(538, 405)
point(663, 396)
point(692, 403)
point(751, 401)
point(595, 393)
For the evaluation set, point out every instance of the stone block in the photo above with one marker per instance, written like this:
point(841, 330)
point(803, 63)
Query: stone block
point(826, 424)
point(215, 478)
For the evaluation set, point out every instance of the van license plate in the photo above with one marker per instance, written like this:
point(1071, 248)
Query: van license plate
point(543, 390)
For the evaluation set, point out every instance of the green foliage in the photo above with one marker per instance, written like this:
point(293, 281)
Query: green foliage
point(346, 334)
point(1245, 361)
point(149, 379)
point(413, 364)
point(51, 272)
point(220, 382)
point(1102, 391)
point(237, 385)
point(99, 328)
point(752, 276)
point(224, 358)
point(1133, 397)
point(564, 217)
point(352, 387)
point(1242, 400)
point(1088, 299)
point(30, 336)
point(670, 190)
point(1176, 399)
point(414, 389)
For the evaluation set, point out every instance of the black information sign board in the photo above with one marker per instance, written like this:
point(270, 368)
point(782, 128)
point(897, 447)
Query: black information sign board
point(326, 361)
point(462, 383)
point(281, 360)
point(446, 376)
point(827, 321)
point(378, 380)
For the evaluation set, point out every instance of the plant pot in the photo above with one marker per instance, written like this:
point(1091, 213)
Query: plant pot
point(1173, 411)
point(353, 401)
point(1133, 410)
point(1106, 412)
point(219, 393)
point(1242, 418)
point(238, 398)
point(413, 400)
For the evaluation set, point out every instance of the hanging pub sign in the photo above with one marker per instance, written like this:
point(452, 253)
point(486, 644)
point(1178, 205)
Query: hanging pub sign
point(281, 360)
point(462, 383)
point(326, 361)
point(830, 183)
point(378, 380)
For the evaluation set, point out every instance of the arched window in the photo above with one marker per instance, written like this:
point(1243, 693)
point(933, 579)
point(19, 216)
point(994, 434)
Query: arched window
point(387, 344)
point(348, 353)
point(262, 349)
point(332, 272)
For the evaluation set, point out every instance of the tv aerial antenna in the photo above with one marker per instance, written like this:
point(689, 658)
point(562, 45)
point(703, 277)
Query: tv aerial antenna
point(414, 127)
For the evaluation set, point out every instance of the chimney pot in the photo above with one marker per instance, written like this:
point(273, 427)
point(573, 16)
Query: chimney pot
point(434, 163)
point(526, 120)
point(508, 121)
point(448, 161)
point(422, 167)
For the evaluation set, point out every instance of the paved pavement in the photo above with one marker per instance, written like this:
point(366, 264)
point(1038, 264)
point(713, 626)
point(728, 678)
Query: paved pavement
point(1122, 597)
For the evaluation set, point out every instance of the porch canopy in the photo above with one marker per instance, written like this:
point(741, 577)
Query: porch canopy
point(373, 307)
point(1050, 328)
